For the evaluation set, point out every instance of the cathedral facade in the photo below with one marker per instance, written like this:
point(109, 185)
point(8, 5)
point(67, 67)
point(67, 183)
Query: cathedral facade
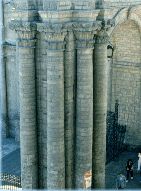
point(64, 63)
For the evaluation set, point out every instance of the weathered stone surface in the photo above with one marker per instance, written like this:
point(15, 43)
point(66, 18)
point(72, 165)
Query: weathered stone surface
point(41, 85)
point(55, 111)
point(100, 110)
point(28, 131)
point(84, 105)
point(69, 103)
point(57, 63)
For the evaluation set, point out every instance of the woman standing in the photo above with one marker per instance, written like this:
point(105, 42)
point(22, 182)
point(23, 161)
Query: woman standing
point(139, 161)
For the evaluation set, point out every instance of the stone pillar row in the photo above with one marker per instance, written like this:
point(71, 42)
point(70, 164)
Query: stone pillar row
point(75, 142)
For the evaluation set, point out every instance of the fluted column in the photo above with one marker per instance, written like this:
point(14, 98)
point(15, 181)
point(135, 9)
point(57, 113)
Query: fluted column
point(84, 106)
point(70, 68)
point(28, 132)
point(55, 111)
point(100, 109)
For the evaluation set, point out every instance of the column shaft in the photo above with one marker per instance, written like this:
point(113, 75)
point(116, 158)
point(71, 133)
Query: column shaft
point(41, 73)
point(3, 98)
point(28, 131)
point(4, 125)
point(100, 111)
point(69, 108)
point(84, 109)
point(55, 115)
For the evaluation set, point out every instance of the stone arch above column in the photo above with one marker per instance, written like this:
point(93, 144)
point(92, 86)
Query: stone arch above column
point(125, 14)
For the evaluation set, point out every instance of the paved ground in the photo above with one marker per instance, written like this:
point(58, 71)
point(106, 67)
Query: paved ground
point(118, 166)
point(11, 164)
point(8, 145)
point(10, 156)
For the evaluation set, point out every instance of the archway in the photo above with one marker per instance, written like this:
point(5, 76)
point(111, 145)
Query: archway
point(126, 78)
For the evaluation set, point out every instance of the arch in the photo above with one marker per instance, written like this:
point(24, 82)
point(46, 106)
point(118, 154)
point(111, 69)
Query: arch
point(126, 73)
point(125, 14)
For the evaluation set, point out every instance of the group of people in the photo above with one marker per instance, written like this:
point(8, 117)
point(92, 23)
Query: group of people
point(121, 180)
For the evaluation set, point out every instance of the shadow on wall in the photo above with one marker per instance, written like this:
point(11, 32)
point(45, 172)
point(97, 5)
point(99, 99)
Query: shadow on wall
point(115, 135)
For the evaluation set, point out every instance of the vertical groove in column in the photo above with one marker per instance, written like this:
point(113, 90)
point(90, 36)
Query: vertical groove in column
point(41, 72)
point(55, 112)
point(100, 110)
point(84, 107)
point(28, 131)
point(69, 109)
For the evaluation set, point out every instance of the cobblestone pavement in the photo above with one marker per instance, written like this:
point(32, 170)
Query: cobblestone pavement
point(118, 166)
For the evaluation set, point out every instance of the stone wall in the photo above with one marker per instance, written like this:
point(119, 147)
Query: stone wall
point(126, 78)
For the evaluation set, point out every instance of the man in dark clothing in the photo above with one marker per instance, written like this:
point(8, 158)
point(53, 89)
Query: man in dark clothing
point(129, 169)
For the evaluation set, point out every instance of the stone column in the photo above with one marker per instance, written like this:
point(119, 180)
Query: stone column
point(28, 131)
point(55, 111)
point(3, 99)
point(100, 110)
point(70, 68)
point(41, 85)
point(84, 106)
point(4, 126)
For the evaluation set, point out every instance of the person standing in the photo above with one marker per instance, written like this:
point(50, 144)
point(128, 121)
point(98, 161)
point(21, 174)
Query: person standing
point(139, 161)
point(129, 169)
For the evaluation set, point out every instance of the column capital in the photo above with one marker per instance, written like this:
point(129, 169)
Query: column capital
point(86, 27)
point(102, 37)
point(26, 43)
point(84, 33)
point(24, 30)
point(51, 28)
point(22, 26)
point(54, 35)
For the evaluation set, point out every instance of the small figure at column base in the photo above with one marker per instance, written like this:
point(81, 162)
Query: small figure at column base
point(120, 181)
